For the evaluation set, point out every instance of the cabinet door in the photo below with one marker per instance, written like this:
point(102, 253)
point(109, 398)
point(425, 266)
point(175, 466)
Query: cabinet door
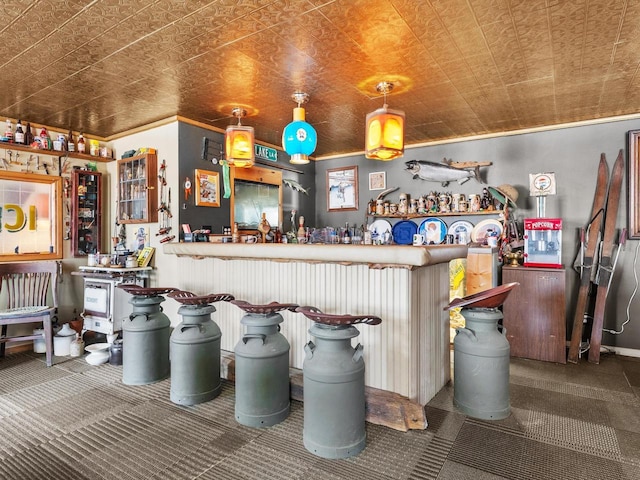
point(86, 212)
point(137, 196)
point(534, 313)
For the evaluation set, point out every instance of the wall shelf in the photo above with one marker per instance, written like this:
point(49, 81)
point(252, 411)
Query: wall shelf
point(53, 153)
point(408, 216)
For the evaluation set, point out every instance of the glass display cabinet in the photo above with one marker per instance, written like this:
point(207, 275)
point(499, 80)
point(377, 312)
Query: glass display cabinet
point(137, 182)
point(86, 213)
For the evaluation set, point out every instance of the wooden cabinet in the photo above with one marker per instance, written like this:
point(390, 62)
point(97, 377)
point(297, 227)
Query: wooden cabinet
point(482, 269)
point(534, 313)
point(137, 195)
point(86, 212)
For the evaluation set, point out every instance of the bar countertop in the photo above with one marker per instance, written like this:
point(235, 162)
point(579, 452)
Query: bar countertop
point(376, 256)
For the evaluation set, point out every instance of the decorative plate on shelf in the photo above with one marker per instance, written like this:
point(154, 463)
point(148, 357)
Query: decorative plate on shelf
point(434, 230)
point(461, 229)
point(378, 227)
point(403, 232)
point(481, 230)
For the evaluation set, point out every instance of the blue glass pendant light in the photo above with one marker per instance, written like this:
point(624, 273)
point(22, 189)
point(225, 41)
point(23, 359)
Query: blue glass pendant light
point(299, 139)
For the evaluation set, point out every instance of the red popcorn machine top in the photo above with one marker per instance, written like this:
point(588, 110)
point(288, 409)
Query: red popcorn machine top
point(543, 242)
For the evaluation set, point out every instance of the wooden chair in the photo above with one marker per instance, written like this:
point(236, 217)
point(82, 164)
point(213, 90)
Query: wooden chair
point(25, 287)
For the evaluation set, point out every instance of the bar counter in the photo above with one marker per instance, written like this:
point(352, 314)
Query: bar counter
point(406, 286)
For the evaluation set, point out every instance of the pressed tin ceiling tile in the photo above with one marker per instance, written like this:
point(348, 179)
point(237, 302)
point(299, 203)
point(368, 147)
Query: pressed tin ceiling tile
point(461, 67)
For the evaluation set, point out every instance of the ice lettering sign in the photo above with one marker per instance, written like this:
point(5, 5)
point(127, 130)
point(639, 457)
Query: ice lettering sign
point(30, 217)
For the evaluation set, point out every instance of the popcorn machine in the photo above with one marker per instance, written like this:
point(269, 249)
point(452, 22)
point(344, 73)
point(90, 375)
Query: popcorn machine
point(543, 242)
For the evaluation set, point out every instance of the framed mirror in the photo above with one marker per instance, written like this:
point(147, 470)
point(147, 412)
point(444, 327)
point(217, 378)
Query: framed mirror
point(30, 217)
point(256, 191)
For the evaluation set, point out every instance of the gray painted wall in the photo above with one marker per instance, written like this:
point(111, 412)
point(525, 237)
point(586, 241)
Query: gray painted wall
point(190, 152)
point(572, 153)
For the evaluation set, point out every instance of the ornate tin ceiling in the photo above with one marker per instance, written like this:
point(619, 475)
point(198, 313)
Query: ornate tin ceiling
point(460, 67)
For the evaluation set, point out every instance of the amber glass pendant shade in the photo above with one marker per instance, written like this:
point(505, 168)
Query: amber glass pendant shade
point(384, 131)
point(239, 143)
point(384, 134)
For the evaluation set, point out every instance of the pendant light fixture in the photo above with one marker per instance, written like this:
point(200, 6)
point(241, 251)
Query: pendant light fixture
point(238, 140)
point(384, 135)
point(299, 139)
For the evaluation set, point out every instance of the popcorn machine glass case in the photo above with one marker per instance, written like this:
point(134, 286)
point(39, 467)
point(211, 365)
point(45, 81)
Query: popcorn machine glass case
point(543, 242)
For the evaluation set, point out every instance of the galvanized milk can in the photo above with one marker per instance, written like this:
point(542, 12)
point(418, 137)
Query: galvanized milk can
point(481, 356)
point(195, 349)
point(333, 377)
point(145, 337)
point(262, 366)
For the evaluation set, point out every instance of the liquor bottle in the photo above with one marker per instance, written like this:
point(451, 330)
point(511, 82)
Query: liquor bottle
point(80, 144)
point(8, 133)
point(28, 135)
point(19, 135)
point(71, 144)
point(44, 139)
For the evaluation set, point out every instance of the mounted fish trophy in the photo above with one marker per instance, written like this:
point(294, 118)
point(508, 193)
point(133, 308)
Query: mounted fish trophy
point(447, 171)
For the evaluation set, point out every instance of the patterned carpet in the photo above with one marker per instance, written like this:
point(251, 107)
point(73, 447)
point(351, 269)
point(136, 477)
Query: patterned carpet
point(76, 422)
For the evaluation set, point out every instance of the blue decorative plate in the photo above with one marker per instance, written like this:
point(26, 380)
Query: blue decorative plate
point(434, 230)
point(403, 232)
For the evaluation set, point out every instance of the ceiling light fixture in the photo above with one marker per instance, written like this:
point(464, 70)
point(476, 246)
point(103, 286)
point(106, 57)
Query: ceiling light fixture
point(384, 135)
point(299, 139)
point(239, 141)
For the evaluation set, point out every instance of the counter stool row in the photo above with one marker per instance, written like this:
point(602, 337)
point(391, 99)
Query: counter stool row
point(333, 371)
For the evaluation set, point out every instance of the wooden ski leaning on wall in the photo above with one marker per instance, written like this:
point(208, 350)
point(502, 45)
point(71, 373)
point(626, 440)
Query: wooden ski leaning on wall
point(606, 263)
point(592, 236)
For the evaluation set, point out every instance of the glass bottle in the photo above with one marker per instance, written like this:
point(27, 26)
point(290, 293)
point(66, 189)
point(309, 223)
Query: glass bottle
point(28, 135)
point(8, 133)
point(71, 144)
point(44, 138)
point(81, 144)
point(19, 135)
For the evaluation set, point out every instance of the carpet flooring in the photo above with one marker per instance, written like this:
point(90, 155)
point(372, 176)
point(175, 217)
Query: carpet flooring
point(74, 421)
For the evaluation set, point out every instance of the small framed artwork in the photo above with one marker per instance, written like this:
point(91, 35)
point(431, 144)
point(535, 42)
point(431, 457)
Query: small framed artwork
point(342, 189)
point(377, 180)
point(144, 258)
point(207, 188)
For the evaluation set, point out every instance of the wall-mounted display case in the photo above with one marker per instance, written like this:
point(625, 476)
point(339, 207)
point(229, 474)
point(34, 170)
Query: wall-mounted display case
point(86, 212)
point(137, 183)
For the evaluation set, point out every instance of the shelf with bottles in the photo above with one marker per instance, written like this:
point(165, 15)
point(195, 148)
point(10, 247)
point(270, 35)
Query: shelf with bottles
point(22, 140)
point(53, 153)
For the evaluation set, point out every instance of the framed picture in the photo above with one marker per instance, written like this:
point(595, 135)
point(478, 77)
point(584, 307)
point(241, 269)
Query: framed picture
point(144, 258)
point(633, 177)
point(377, 180)
point(207, 188)
point(342, 189)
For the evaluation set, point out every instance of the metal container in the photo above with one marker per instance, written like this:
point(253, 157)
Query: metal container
point(195, 356)
point(115, 353)
point(481, 365)
point(262, 371)
point(334, 401)
point(145, 339)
